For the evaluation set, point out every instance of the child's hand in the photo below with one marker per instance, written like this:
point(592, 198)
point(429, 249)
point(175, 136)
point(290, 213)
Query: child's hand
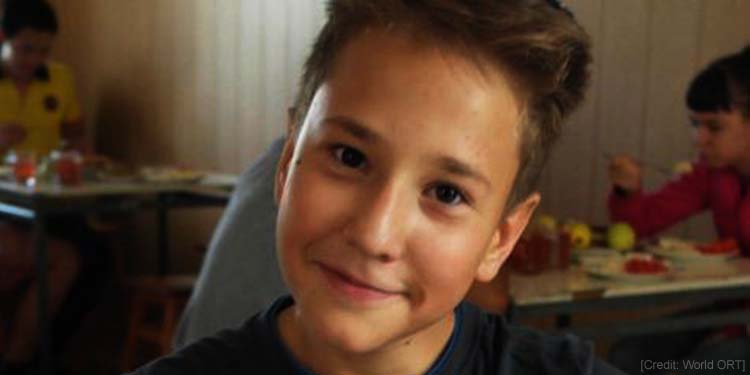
point(11, 135)
point(625, 172)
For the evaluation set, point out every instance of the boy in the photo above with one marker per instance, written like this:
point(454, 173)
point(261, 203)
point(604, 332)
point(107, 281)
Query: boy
point(407, 174)
point(718, 99)
point(38, 108)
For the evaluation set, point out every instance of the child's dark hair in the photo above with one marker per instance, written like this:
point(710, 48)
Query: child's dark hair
point(722, 86)
point(537, 42)
point(28, 14)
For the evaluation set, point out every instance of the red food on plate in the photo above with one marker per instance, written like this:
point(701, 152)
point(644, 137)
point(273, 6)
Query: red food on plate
point(645, 266)
point(719, 247)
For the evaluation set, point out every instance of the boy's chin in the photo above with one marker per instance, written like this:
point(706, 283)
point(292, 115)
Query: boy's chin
point(354, 334)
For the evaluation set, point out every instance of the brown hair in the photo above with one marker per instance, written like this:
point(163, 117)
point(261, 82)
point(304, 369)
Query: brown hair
point(536, 42)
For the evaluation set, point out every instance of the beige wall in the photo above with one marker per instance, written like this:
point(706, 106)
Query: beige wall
point(206, 82)
point(646, 52)
point(201, 83)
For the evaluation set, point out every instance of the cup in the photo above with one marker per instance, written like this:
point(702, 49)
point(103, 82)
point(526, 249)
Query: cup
point(531, 254)
point(24, 167)
point(564, 246)
point(69, 168)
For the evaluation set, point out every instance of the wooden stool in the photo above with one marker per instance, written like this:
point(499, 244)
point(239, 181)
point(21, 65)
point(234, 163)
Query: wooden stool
point(164, 295)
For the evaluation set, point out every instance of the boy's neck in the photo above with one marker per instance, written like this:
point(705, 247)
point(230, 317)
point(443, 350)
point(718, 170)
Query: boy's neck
point(412, 355)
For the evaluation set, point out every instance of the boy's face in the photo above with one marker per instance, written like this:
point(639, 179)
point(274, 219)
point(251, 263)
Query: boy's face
point(723, 138)
point(390, 200)
point(29, 49)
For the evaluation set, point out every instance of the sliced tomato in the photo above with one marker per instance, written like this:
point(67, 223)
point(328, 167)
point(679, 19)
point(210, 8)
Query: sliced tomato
point(719, 247)
point(644, 266)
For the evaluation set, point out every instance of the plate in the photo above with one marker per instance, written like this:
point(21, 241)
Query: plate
point(6, 171)
point(683, 251)
point(170, 175)
point(594, 256)
point(615, 269)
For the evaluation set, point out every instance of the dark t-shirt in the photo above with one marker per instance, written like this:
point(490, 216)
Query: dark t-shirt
point(481, 344)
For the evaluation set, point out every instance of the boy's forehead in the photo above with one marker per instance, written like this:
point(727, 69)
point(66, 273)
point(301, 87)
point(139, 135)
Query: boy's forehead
point(375, 41)
point(390, 57)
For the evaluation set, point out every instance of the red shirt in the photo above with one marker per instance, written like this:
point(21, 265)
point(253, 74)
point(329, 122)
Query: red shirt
point(719, 190)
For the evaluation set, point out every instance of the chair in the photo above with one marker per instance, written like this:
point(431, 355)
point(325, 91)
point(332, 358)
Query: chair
point(155, 306)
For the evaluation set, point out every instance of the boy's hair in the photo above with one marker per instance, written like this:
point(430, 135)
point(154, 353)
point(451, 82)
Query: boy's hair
point(33, 14)
point(535, 42)
point(723, 85)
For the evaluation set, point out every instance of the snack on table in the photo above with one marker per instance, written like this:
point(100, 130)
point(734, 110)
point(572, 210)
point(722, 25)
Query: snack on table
point(728, 245)
point(675, 244)
point(170, 174)
point(631, 268)
point(684, 251)
point(645, 266)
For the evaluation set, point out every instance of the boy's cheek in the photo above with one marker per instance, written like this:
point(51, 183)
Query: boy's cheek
point(446, 267)
point(310, 205)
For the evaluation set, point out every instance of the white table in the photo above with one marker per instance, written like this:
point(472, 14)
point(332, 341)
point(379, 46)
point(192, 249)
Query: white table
point(37, 204)
point(561, 293)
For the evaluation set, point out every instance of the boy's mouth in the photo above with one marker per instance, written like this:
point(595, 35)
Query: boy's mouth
point(354, 287)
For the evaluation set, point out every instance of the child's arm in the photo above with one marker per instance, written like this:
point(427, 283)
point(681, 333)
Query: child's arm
point(649, 213)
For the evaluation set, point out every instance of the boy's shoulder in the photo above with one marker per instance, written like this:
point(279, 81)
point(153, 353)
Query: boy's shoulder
point(483, 344)
point(248, 349)
point(491, 345)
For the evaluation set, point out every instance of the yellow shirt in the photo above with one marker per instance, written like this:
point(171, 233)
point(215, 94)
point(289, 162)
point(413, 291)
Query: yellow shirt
point(49, 101)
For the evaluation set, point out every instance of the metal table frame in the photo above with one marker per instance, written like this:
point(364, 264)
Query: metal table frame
point(38, 207)
point(594, 301)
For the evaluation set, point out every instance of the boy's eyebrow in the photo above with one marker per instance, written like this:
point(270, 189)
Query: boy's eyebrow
point(457, 167)
point(354, 128)
point(448, 164)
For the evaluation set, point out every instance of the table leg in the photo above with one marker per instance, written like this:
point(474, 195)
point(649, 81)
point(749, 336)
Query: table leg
point(162, 237)
point(42, 262)
point(562, 321)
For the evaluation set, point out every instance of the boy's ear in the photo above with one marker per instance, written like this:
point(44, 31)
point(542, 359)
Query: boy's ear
point(291, 120)
point(505, 237)
point(282, 169)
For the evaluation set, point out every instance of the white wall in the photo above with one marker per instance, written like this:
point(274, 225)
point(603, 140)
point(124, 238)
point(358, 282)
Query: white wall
point(646, 52)
point(206, 83)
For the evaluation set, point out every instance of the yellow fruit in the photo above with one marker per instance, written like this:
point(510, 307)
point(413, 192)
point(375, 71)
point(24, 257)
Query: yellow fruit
point(546, 223)
point(682, 167)
point(621, 236)
point(580, 235)
point(568, 224)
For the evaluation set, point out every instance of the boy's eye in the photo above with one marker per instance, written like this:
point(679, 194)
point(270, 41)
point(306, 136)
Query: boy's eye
point(448, 194)
point(349, 156)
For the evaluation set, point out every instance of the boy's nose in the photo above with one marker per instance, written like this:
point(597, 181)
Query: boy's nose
point(700, 137)
point(380, 222)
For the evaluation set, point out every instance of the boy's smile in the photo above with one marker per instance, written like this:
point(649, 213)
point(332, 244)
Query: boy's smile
point(390, 203)
point(356, 288)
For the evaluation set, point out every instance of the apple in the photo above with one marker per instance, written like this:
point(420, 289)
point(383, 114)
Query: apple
point(546, 223)
point(620, 236)
point(580, 235)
